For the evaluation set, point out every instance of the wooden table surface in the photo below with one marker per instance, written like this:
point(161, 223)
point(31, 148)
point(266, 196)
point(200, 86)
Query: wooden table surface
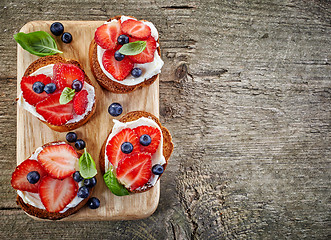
point(245, 91)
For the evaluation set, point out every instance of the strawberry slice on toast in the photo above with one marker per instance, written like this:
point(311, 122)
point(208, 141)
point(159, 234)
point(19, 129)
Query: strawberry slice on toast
point(136, 29)
point(106, 35)
point(29, 95)
point(148, 54)
point(80, 102)
point(65, 74)
point(155, 135)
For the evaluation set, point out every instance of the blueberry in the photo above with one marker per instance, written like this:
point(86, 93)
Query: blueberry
point(136, 72)
point(57, 28)
point(115, 109)
point(118, 56)
point(38, 87)
point(33, 177)
point(77, 177)
point(145, 140)
point(157, 169)
point(91, 182)
point(66, 37)
point(77, 85)
point(83, 192)
point(123, 39)
point(71, 137)
point(50, 88)
point(126, 147)
point(93, 203)
point(80, 144)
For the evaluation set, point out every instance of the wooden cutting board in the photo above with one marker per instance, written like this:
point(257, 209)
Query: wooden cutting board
point(31, 133)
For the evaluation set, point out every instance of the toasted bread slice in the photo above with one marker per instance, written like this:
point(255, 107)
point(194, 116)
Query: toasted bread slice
point(168, 146)
point(44, 61)
point(106, 82)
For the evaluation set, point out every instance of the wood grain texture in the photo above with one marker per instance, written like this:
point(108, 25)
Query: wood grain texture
point(245, 92)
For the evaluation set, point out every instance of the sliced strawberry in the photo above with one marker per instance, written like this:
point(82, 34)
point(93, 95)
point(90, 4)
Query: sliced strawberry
point(26, 86)
point(54, 112)
point(80, 102)
point(118, 69)
point(136, 29)
point(65, 74)
point(148, 54)
point(56, 194)
point(106, 35)
point(113, 149)
point(19, 177)
point(134, 171)
point(155, 135)
point(59, 160)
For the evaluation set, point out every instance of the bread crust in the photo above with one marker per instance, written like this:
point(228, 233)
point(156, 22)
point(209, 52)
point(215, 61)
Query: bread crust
point(168, 146)
point(53, 59)
point(106, 82)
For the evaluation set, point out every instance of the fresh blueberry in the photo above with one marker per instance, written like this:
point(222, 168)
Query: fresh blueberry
point(80, 144)
point(127, 147)
point(66, 37)
point(91, 182)
point(93, 203)
point(77, 85)
point(71, 137)
point(77, 177)
point(115, 109)
point(123, 39)
point(57, 28)
point(145, 140)
point(118, 56)
point(83, 192)
point(50, 88)
point(136, 72)
point(38, 87)
point(157, 169)
point(33, 177)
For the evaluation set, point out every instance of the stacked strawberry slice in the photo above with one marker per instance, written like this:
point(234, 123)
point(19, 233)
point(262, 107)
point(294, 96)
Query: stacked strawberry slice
point(133, 169)
point(55, 165)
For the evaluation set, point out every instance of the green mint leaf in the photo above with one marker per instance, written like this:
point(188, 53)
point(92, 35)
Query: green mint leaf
point(87, 168)
point(38, 43)
point(113, 184)
point(133, 48)
point(67, 95)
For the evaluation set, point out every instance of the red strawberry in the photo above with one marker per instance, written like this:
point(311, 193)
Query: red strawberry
point(148, 54)
point(118, 69)
point(19, 180)
point(58, 160)
point(136, 29)
point(106, 35)
point(65, 74)
point(26, 86)
point(134, 171)
point(113, 149)
point(155, 135)
point(54, 112)
point(56, 194)
point(80, 102)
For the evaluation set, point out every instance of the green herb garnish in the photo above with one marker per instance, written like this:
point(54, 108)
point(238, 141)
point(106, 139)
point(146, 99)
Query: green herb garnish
point(87, 167)
point(133, 48)
point(67, 95)
point(113, 184)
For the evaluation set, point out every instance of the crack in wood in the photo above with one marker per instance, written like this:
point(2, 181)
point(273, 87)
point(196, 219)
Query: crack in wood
point(178, 7)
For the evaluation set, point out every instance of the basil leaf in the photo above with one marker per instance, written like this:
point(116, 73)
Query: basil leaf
point(87, 168)
point(133, 48)
point(67, 95)
point(113, 184)
point(39, 43)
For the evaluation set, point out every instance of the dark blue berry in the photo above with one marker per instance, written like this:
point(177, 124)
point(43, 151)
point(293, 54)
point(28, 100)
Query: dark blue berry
point(123, 39)
point(38, 87)
point(115, 109)
point(33, 177)
point(145, 140)
point(77, 85)
point(93, 203)
point(91, 182)
point(126, 147)
point(157, 169)
point(80, 144)
point(71, 137)
point(136, 72)
point(50, 88)
point(83, 192)
point(57, 28)
point(118, 56)
point(77, 177)
point(66, 37)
